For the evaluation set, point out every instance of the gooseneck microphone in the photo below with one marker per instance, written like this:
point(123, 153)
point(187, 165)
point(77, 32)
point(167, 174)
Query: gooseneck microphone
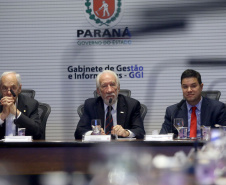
point(14, 95)
point(12, 92)
point(110, 101)
point(175, 111)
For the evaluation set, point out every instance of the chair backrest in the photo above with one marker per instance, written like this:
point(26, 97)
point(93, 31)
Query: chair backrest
point(80, 110)
point(125, 92)
point(28, 92)
point(44, 110)
point(143, 110)
point(215, 95)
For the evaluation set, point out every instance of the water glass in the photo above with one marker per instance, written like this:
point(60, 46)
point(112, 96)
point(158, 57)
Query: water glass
point(183, 133)
point(206, 132)
point(223, 130)
point(21, 131)
point(178, 124)
point(96, 126)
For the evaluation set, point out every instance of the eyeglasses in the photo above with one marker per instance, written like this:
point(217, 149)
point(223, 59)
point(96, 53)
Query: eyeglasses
point(6, 89)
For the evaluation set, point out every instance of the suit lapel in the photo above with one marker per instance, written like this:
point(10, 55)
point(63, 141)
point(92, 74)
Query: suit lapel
point(22, 105)
point(183, 113)
point(99, 110)
point(121, 111)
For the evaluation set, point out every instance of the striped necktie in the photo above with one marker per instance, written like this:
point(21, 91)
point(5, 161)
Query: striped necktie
point(109, 121)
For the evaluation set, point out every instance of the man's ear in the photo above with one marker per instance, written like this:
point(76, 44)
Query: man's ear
point(20, 87)
point(202, 85)
point(98, 91)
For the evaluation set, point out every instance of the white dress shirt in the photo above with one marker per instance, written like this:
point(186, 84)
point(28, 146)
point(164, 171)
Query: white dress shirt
point(10, 127)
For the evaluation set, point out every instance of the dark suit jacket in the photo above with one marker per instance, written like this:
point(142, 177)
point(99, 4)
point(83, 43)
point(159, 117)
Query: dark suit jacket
point(212, 112)
point(28, 119)
point(129, 119)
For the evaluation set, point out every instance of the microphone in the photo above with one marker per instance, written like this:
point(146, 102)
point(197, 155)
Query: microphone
point(14, 95)
point(12, 92)
point(175, 111)
point(110, 101)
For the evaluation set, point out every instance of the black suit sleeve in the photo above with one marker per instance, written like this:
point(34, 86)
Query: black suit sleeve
point(31, 120)
point(136, 123)
point(167, 125)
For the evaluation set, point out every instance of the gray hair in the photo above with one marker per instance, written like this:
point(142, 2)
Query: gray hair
point(11, 72)
point(106, 71)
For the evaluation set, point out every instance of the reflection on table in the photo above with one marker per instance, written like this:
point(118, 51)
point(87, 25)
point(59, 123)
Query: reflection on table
point(116, 162)
point(43, 156)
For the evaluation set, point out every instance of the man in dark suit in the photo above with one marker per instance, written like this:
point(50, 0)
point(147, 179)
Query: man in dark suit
point(127, 121)
point(26, 110)
point(207, 112)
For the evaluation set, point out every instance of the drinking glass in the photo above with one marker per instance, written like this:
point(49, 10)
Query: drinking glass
point(205, 132)
point(223, 130)
point(96, 126)
point(21, 131)
point(178, 124)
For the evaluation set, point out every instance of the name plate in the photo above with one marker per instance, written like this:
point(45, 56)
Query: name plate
point(97, 138)
point(18, 139)
point(164, 137)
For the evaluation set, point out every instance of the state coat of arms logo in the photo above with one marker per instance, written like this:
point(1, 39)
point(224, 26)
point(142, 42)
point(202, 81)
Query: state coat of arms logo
point(103, 13)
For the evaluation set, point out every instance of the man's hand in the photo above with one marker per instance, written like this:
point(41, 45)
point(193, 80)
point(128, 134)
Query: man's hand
point(8, 106)
point(6, 102)
point(120, 131)
point(102, 132)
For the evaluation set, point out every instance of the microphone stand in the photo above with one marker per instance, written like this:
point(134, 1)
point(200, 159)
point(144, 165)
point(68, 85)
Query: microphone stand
point(15, 120)
point(110, 101)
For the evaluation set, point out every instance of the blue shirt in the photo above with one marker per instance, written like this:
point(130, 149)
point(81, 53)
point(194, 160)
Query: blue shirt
point(198, 113)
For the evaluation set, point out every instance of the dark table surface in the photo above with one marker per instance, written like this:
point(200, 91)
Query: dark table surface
point(38, 157)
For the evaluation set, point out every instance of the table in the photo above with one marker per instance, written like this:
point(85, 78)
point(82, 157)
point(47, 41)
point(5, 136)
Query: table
point(37, 157)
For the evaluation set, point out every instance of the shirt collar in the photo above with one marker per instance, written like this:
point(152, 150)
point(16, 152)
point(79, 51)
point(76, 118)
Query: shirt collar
point(198, 105)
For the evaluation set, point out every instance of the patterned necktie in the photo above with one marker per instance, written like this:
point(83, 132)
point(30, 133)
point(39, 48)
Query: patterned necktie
point(193, 126)
point(109, 121)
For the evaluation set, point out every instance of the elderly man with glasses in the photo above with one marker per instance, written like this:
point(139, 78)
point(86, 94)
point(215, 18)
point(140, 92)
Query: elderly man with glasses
point(17, 110)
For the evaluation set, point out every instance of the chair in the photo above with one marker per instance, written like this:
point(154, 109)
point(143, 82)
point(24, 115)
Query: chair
point(143, 110)
point(80, 110)
point(28, 92)
point(44, 110)
point(125, 92)
point(215, 95)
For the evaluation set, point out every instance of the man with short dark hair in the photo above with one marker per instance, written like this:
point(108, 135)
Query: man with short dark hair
point(26, 111)
point(195, 108)
point(127, 121)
